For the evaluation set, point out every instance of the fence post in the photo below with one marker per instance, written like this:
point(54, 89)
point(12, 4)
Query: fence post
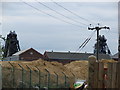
point(68, 82)
point(48, 84)
point(22, 74)
point(73, 75)
point(13, 70)
point(118, 75)
point(114, 74)
point(30, 85)
point(0, 76)
point(109, 75)
point(93, 72)
point(101, 75)
point(39, 77)
point(65, 79)
point(56, 79)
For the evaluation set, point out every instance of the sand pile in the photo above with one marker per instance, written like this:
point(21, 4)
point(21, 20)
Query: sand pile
point(79, 69)
point(41, 64)
point(52, 67)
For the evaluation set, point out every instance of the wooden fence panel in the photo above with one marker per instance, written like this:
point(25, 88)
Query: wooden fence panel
point(105, 77)
point(100, 75)
point(114, 75)
point(92, 77)
point(96, 69)
point(0, 77)
point(118, 75)
point(109, 75)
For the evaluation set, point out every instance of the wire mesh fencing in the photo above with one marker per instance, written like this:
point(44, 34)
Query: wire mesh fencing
point(21, 77)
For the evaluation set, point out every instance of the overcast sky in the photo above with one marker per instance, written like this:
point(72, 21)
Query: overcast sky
point(45, 33)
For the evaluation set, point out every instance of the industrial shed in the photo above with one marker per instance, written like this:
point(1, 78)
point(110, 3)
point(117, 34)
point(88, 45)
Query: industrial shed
point(25, 55)
point(115, 56)
point(67, 57)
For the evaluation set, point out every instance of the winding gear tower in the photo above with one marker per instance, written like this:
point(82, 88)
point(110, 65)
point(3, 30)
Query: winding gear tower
point(103, 47)
point(11, 44)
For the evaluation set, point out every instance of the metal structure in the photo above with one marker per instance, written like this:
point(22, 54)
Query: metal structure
point(98, 28)
point(103, 47)
point(39, 72)
point(13, 74)
point(48, 78)
point(29, 78)
point(11, 44)
point(2, 37)
point(22, 75)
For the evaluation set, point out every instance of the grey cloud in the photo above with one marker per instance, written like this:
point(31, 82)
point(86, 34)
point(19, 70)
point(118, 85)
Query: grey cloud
point(45, 33)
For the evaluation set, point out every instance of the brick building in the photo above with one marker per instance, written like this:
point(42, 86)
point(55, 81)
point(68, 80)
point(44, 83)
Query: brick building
point(25, 55)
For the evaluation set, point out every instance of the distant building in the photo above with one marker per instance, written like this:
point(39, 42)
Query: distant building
point(115, 56)
point(67, 57)
point(25, 55)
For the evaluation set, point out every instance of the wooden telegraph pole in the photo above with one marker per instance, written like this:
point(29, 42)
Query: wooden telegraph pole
point(119, 31)
point(97, 28)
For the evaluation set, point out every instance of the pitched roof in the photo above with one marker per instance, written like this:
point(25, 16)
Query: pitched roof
point(73, 56)
point(22, 51)
point(115, 56)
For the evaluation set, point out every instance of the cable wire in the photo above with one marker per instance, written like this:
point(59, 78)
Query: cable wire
point(85, 42)
point(50, 15)
point(61, 14)
point(73, 12)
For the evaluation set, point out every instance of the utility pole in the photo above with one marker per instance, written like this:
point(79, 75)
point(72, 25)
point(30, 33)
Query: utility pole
point(97, 28)
point(119, 47)
point(119, 31)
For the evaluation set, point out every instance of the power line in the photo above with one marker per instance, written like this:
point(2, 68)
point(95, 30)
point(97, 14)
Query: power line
point(85, 42)
point(50, 15)
point(62, 14)
point(72, 12)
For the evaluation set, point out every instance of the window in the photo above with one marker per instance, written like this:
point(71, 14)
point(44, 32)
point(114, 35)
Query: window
point(31, 53)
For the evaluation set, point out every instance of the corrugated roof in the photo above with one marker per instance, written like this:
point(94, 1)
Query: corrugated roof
point(115, 56)
point(73, 56)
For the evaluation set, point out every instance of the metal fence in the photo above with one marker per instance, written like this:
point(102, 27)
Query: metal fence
point(13, 77)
